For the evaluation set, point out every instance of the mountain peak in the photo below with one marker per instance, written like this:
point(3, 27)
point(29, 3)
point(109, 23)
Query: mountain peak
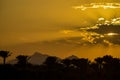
point(38, 58)
point(39, 54)
point(72, 57)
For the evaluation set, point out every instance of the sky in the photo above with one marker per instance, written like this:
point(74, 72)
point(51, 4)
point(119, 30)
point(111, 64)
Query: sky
point(55, 27)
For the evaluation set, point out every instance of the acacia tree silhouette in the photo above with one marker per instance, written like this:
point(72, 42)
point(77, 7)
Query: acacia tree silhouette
point(4, 55)
point(99, 61)
point(22, 59)
point(51, 60)
point(107, 59)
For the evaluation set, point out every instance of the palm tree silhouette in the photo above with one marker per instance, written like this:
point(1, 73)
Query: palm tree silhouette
point(4, 55)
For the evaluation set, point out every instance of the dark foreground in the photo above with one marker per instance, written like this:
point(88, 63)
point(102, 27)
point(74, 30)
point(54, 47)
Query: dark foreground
point(103, 68)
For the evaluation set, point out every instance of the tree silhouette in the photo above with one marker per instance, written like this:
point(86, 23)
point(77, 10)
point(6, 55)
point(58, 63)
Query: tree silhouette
point(66, 62)
point(54, 68)
point(99, 61)
point(76, 62)
point(53, 63)
point(4, 55)
point(51, 60)
point(107, 59)
point(22, 59)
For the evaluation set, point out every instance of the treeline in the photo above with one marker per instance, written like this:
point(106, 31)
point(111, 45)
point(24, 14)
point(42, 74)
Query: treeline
point(102, 68)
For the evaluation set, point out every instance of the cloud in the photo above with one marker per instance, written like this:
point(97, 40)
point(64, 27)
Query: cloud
point(105, 32)
point(108, 30)
point(98, 5)
point(107, 26)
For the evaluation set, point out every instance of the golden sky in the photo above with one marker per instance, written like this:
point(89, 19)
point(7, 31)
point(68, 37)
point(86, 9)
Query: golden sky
point(27, 26)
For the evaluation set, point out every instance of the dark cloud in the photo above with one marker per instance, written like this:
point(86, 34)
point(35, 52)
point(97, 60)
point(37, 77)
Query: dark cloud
point(104, 29)
point(110, 31)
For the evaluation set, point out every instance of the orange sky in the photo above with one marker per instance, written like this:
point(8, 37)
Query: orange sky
point(25, 25)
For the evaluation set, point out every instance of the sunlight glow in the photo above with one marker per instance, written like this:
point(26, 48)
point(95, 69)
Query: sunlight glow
point(98, 5)
point(112, 34)
point(66, 31)
point(107, 42)
point(101, 19)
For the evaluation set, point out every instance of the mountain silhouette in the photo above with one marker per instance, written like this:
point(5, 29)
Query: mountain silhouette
point(38, 58)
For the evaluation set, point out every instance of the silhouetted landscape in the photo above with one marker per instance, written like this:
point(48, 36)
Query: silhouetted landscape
point(54, 68)
point(73, 39)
